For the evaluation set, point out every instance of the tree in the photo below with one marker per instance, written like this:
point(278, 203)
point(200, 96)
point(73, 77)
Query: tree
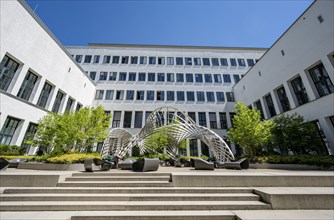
point(158, 141)
point(248, 130)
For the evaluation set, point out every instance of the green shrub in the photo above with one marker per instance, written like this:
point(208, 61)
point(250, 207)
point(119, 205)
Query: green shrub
point(72, 158)
point(11, 150)
point(325, 161)
point(6, 157)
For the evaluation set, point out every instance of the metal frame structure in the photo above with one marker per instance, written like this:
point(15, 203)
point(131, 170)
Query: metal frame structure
point(178, 125)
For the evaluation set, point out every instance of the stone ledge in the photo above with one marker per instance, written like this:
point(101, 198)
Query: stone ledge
point(50, 166)
point(288, 166)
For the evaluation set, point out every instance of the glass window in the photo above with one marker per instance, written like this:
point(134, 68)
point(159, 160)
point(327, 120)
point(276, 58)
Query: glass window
point(44, 96)
point(170, 96)
point(8, 130)
point(202, 119)
point(180, 95)
point(223, 120)
point(8, 68)
point(215, 61)
point(134, 60)
point(96, 59)
point(58, 101)
point(78, 58)
point(116, 122)
point(179, 77)
point(208, 78)
point(223, 62)
point(198, 77)
point(197, 61)
point(112, 76)
point(270, 105)
point(132, 76)
point(179, 61)
point(220, 97)
point(190, 96)
point(189, 77)
point(143, 60)
point(138, 119)
point(300, 91)
point(122, 76)
point(115, 59)
point(210, 96)
point(125, 59)
point(170, 60)
point(119, 94)
point(27, 86)
point(149, 95)
point(142, 77)
point(69, 104)
point(200, 96)
point(151, 77)
point(140, 95)
point(241, 62)
point(193, 147)
point(99, 94)
point(170, 77)
point(152, 60)
point(161, 77)
point(103, 76)
point(106, 59)
point(258, 106)
point(192, 115)
point(236, 78)
point(92, 75)
point(79, 106)
point(250, 62)
point(88, 59)
point(321, 80)
point(230, 96)
point(30, 133)
point(233, 62)
point(218, 78)
point(206, 62)
point(188, 61)
point(285, 104)
point(213, 120)
point(130, 94)
point(147, 114)
point(109, 95)
point(161, 60)
point(227, 78)
point(160, 95)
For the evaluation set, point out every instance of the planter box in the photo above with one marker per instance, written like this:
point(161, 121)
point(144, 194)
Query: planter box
point(288, 166)
point(50, 166)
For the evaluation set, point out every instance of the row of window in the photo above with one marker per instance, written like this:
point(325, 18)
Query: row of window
point(151, 95)
point(165, 77)
point(321, 82)
point(169, 61)
point(8, 69)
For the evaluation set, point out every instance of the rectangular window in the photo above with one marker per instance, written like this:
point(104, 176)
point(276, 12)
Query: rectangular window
point(88, 59)
point(190, 96)
point(215, 61)
point(230, 97)
point(179, 61)
point(99, 94)
point(210, 97)
point(250, 62)
point(115, 59)
point(258, 106)
point(44, 96)
point(206, 62)
point(321, 80)
point(218, 78)
point(227, 78)
point(189, 77)
point(161, 77)
point(223, 120)
point(198, 77)
point(8, 68)
point(140, 95)
point(151, 77)
point(193, 147)
point(142, 77)
point(106, 59)
point(160, 96)
point(116, 122)
point(119, 94)
point(112, 76)
point(152, 60)
point(138, 119)
point(208, 78)
point(8, 130)
point(127, 120)
point(270, 105)
point(213, 120)
point(132, 76)
point(147, 114)
point(30, 133)
point(161, 60)
point(170, 77)
point(285, 104)
point(220, 97)
point(79, 106)
point(149, 95)
point(300, 91)
point(92, 75)
point(179, 77)
point(58, 101)
point(170, 60)
point(170, 96)
point(233, 62)
point(78, 58)
point(202, 119)
point(125, 59)
point(236, 78)
point(197, 61)
point(134, 60)
point(96, 59)
point(188, 61)
point(180, 95)
point(223, 62)
point(241, 62)
point(192, 115)
point(130, 94)
point(69, 104)
point(103, 76)
point(200, 96)
point(143, 60)
point(27, 86)
point(122, 76)
point(109, 95)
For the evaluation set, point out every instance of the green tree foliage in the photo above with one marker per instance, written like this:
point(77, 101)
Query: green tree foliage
point(158, 141)
point(293, 135)
point(248, 130)
point(71, 130)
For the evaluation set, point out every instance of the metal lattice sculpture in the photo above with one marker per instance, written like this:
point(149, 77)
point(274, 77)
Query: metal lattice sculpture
point(178, 125)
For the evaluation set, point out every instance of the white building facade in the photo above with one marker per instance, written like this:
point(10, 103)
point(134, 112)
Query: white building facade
point(296, 74)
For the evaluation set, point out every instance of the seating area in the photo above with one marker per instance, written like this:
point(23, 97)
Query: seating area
point(239, 165)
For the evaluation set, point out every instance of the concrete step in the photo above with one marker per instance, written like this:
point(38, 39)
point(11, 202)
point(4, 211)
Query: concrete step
point(131, 205)
point(131, 197)
point(120, 173)
point(115, 184)
point(132, 190)
point(118, 178)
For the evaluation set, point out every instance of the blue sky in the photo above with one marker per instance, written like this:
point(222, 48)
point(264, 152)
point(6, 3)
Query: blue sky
point(229, 23)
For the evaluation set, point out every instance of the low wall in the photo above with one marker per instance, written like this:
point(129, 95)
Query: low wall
point(50, 166)
point(288, 166)
point(31, 180)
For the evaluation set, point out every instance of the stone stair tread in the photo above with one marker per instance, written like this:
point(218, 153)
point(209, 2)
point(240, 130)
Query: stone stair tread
point(130, 173)
point(97, 182)
point(118, 177)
